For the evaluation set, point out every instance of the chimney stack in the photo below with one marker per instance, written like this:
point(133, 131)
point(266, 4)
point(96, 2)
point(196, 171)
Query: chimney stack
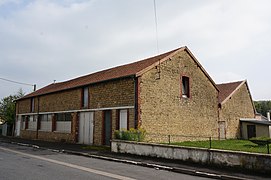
point(268, 115)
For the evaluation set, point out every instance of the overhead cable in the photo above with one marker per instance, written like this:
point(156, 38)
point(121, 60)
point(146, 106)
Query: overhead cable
point(16, 82)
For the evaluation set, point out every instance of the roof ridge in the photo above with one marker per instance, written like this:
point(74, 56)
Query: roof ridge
point(226, 90)
point(118, 66)
point(231, 82)
point(103, 75)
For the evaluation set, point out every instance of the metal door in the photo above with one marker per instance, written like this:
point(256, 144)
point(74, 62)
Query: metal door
point(86, 128)
point(107, 127)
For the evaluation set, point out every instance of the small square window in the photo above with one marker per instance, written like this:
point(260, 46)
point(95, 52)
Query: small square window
point(185, 87)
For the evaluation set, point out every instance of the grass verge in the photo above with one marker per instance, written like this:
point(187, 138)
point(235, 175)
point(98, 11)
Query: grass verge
point(232, 144)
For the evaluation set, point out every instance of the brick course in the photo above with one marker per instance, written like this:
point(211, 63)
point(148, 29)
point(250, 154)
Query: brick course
point(61, 101)
point(116, 93)
point(98, 127)
point(164, 111)
point(161, 107)
point(23, 106)
point(238, 106)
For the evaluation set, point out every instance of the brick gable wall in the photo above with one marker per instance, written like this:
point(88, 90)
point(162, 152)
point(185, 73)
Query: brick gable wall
point(238, 106)
point(115, 93)
point(164, 111)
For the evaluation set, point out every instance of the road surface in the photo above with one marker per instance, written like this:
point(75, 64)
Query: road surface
point(20, 162)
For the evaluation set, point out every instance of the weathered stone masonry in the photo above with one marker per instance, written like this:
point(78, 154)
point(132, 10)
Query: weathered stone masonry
point(151, 93)
point(239, 105)
point(110, 94)
point(161, 102)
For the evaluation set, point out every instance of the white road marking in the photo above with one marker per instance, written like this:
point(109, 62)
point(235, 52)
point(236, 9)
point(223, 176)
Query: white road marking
point(70, 165)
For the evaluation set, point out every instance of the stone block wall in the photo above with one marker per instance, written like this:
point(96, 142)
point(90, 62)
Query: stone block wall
point(55, 136)
point(162, 108)
point(115, 93)
point(60, 101)
point(109, 94)
point(28, 134)
point(131, 116)
point(238, 106)
point(23, 106)
point(98, 127)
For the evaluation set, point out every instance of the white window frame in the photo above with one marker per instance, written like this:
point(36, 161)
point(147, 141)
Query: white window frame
point(123, 119)
point(46, 122)
point(32, 123)
point(63, 125)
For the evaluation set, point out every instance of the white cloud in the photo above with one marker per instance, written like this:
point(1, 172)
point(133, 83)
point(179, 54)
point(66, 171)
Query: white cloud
point(45, 40)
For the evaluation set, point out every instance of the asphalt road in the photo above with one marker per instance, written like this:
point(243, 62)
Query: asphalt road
point(19, 162)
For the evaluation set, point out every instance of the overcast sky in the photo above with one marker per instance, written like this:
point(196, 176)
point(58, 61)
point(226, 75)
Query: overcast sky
point(46, 40)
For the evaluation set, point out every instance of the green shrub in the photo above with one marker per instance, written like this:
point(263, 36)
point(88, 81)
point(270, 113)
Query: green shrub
point(131, 134)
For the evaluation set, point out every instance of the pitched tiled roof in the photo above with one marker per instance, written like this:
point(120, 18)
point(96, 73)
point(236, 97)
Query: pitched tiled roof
point(225, 90)
point(112, 73)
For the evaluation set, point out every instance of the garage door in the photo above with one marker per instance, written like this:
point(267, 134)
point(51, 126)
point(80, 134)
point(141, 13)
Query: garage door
point(86, 128)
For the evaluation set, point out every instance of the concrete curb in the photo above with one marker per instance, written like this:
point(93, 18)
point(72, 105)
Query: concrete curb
point(138, 163)
point(159, 167)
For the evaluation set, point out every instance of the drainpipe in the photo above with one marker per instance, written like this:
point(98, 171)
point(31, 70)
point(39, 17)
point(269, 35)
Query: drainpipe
point(135, 101)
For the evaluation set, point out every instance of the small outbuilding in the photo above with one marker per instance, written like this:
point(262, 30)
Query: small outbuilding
point(255, 128)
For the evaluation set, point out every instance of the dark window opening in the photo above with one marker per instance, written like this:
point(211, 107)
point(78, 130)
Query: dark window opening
point(32, 104)
point(63, 117)
point(185, 87)
point(251, 131)
point(85, 97)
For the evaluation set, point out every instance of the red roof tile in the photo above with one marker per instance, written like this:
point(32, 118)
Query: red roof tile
point(225, 90)
point(112, 73)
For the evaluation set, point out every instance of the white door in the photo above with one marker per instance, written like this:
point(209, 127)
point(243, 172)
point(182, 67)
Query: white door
point(86, 128)
point(222, 130)
point(18, 126)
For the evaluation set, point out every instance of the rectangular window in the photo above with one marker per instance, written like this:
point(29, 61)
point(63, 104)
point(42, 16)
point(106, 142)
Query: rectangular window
point(25, 122)
point(32, 104)
point(46, 117)
point(63, 122)
point(46, 122)
point(63, 117)
point(185, 87)
point(123, 119)
point(32, 123)
point(85, 97)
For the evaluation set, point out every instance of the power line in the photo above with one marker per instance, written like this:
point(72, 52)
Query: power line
point(156, 26)
point(16, 82)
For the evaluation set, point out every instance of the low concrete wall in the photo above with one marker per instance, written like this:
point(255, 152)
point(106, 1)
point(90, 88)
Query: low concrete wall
point(250, 161)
